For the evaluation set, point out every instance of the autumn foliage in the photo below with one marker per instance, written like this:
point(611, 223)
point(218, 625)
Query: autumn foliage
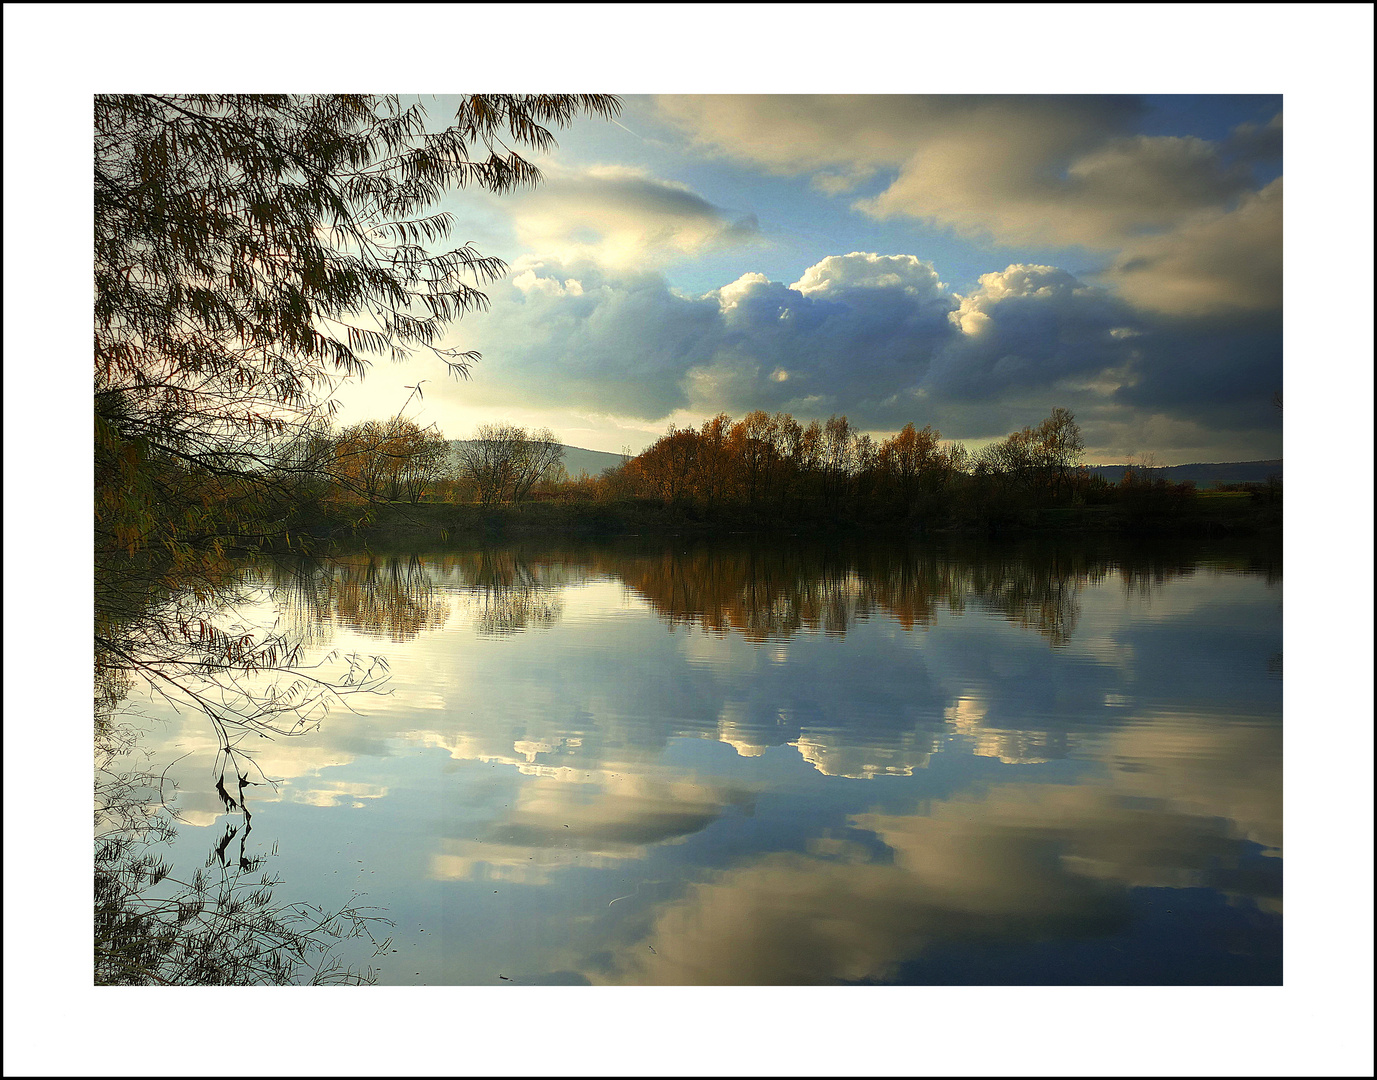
point(770, 463)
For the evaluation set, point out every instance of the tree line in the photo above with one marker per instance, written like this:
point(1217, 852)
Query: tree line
point(397, 460)
point(829, 469)
point(758, 470)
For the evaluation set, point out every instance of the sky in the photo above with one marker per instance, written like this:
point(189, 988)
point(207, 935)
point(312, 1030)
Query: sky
point(964, 261)
point(1318, 56)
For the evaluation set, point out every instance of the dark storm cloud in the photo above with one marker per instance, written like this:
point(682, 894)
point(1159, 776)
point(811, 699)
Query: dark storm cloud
point(1222, 374)
point(1032, 330)
point(878, 338)
point(854, 331)
point(1032, 327)
point(616, 344)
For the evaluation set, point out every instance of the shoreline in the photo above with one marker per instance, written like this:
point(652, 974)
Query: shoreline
point(1201, 518)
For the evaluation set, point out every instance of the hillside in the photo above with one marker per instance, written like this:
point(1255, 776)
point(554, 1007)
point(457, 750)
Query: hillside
point(593, 462)
point(576, 459)
point(1202, 475)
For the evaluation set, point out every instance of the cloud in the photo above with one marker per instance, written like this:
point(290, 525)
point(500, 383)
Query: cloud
point(1226, 770)
point(1019, 746)
point(622, 217)
point(1015, 191)
point(338, 793)
point(837, 274)
point(1020, 863)
point(848, 137)
point(1260, 143)
point(611, 342)
point(628, 344)
point(853, 331)
point(881, 339)
point(609, 817)
point(1218, 261)
point(1018, 168)
point(1179, 213)
point(1030, 328)
point(832, 756)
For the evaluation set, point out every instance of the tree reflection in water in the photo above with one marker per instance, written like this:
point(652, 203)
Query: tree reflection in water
point(186, 630)
point(763, 590)
point(769, 591)
point(508, 595)
point(376, 595)
point(400, 596)
point(218, 926)
point(193, 637)
point(775, 591)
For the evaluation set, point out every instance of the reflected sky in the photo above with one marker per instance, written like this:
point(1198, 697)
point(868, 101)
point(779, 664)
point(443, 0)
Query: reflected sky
point(730, 764)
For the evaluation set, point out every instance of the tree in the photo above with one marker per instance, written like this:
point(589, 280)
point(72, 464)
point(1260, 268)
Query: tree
point(251, 250)
point(504, 462)
point(427, 458)
point(1059, 448)
point(487, 460)
point(714, 459)
point(361, 459)
point(1037, 459)
point(837, 459)
point(1009, 462)
point(752, 445)
point(301, 464)
point(787, 440)
point(541, 457)
point(668, 469)
point(908, 459)
point(388, 459)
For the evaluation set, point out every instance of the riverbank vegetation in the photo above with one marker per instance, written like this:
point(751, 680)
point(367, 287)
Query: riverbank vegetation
point(770, 473)
point(251, 251)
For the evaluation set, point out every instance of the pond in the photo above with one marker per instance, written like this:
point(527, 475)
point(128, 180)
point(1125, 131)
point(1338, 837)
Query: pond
point(749, 762)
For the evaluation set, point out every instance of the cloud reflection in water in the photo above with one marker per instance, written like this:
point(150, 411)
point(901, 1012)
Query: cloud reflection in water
point(832, 761)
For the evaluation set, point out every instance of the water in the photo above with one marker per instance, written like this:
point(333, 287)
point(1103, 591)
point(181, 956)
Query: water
point(670, 762)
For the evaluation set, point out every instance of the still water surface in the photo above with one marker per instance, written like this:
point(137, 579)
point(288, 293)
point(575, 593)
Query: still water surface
point(669, 762)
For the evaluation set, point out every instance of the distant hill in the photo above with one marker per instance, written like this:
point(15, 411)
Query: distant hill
point(1203, 476)
point(576, 459)
point(592, 462)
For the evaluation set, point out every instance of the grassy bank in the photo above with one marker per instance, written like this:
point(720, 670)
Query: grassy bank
point(1204, 514)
